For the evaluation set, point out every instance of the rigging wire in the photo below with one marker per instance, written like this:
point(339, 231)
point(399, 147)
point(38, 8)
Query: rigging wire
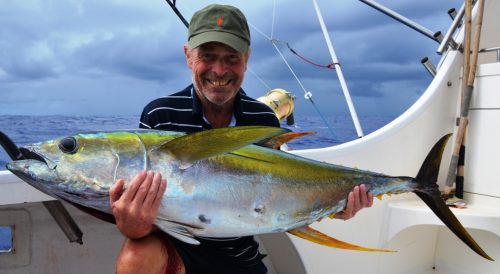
point(274, 16)
point(260, 79)
point(307, 94)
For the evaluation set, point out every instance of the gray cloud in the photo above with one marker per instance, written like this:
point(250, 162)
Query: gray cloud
point(112, 57)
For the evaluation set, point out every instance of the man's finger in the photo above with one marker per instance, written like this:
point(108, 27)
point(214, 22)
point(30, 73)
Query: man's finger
point(350, 204)
point(153, 190)
point(116, 191)
point(363, 196)
point(143, 189)
point(356, 200)
point(159, 195)
point(129, 193)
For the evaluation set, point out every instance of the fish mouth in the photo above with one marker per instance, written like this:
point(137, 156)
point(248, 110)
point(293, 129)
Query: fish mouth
point(34, 172)
point(34, 168)
point(29, 153)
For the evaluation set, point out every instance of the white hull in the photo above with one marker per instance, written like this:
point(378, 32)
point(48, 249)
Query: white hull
point(401, 223)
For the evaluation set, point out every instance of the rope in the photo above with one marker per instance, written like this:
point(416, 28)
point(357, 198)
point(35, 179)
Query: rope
point(328, 66)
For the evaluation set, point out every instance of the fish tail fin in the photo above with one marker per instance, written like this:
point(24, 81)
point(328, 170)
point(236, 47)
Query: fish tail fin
point(428, 191)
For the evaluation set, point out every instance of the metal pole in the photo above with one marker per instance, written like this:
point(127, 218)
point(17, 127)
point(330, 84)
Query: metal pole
point(451, 30)
point(400, 18)
point(340, 75)
point(497, 49)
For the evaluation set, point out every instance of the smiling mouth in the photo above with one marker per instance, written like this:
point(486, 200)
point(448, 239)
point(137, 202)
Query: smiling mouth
point(219, 82)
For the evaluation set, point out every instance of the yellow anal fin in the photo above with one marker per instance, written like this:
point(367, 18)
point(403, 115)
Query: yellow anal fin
point(310, 234)
point(276, 141)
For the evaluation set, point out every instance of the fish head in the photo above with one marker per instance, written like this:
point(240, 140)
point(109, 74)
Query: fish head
point(81, 166)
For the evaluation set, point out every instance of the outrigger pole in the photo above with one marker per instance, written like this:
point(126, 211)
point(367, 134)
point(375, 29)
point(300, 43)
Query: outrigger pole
point(401, 19)
point(340, 75)
point(436, 36)
point(179, 14)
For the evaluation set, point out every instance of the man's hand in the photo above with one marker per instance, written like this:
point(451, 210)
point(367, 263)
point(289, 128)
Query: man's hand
point(358, 198)
point(135, 208)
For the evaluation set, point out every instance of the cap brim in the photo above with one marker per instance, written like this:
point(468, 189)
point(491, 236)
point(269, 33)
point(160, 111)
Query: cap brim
point(229, 39)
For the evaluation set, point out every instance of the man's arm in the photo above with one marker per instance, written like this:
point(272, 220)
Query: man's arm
point(135, 207)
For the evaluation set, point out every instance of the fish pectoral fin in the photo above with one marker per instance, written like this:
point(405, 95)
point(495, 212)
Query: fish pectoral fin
point(276, 141)
point(204, 144)
point(310, 234)
point(178, 231)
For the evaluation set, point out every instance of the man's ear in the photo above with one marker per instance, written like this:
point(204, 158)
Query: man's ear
point(188, 54)
point(247, 57)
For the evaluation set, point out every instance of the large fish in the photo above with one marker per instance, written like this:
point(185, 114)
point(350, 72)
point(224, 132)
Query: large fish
point(219, 183)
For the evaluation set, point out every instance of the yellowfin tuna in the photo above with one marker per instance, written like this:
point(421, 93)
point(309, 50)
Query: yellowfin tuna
point(219, 183)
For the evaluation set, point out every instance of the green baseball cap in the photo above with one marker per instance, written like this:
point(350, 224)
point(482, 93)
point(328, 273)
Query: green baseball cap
point(219, 23)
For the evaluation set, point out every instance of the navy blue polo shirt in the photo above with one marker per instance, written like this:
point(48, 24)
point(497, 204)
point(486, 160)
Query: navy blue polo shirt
point(182, 111)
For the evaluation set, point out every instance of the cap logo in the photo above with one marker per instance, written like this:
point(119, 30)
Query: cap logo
point(220, 21)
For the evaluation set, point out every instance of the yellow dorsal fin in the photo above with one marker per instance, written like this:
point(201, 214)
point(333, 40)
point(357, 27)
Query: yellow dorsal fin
point(204, 144)
point(276, 141)
point(310, 234)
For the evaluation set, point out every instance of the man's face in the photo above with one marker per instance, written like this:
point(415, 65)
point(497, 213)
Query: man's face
point(218, 71)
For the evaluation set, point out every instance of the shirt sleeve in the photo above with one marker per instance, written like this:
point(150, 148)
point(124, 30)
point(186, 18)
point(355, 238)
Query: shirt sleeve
point(145, 121)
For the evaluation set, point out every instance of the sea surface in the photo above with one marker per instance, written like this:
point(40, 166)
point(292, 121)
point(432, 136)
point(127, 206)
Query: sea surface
point(31, 129)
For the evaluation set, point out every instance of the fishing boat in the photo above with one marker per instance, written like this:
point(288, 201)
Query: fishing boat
point(402, 222)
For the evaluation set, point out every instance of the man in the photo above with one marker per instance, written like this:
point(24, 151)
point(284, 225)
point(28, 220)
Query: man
point(217, 53)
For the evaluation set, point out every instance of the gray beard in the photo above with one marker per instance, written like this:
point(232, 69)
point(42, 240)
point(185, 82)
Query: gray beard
point(212, 102)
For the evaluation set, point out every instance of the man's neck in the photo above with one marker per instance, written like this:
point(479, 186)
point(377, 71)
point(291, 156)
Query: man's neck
point(218, 116)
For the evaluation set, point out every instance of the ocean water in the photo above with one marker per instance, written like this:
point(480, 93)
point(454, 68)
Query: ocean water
point(30, 129)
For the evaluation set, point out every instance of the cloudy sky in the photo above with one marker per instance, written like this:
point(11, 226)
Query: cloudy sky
point(85, 57)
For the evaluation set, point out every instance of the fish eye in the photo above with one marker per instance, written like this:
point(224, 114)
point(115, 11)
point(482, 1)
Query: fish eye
point(68, 145)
